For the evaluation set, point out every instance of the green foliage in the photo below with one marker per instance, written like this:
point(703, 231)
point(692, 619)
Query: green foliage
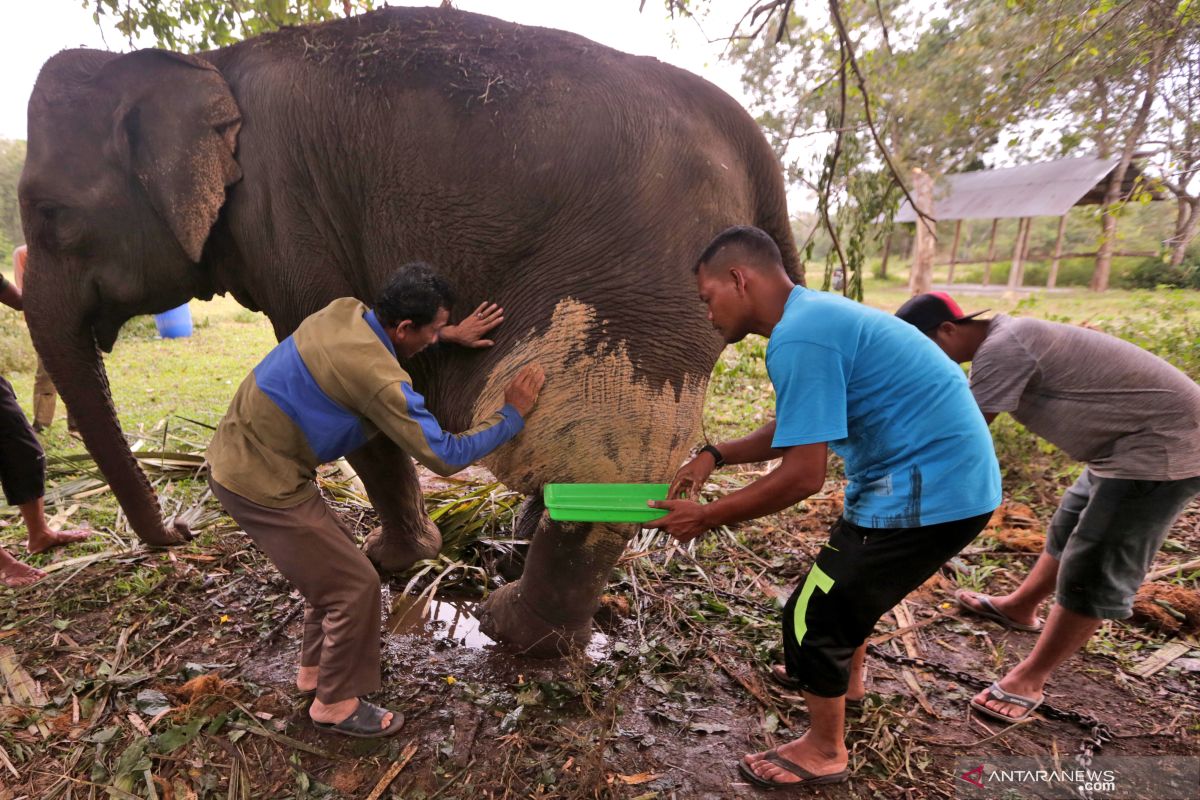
point(1173, 332)
point(891, 86)
point(1071, 272)
point(12, 161)
point(1165, 322)
point(740, 398)
point(945, 88)
point(139, 328)
point(16, 350)
point(191, 25)
point(467, 517)
point(1154, 272)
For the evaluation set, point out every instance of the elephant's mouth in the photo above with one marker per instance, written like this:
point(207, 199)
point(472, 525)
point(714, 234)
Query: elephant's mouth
point(105, 331)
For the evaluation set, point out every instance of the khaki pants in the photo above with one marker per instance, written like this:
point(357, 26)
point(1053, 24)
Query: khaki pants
point(44, 399)
point(315, 551)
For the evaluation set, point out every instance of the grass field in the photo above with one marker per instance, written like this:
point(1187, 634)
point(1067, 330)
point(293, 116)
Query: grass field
point(663, 710)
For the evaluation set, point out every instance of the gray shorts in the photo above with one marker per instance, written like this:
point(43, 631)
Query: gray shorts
point(1105, 534)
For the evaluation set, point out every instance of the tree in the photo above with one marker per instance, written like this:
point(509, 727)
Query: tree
point(1181, 130)
point(190, 25)
point(893, 86)
point(1112, 102)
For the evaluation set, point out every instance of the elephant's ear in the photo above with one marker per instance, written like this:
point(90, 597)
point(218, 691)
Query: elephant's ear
point(175, 127)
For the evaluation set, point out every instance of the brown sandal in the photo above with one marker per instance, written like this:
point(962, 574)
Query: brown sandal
point(364, 723)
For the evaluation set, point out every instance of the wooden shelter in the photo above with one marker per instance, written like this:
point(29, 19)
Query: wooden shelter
point(1045, 189)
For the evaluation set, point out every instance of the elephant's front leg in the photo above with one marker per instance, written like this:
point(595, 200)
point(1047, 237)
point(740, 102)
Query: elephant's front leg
point(407, 535)
point(548, 612)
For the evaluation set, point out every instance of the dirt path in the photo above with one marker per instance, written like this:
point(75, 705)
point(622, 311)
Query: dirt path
point(670, 697)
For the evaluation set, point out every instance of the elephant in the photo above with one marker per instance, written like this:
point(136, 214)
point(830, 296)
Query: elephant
point(571, 183)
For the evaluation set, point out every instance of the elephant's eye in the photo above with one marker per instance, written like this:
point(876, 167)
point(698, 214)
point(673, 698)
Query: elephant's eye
point(47, 212)
point(56, 227)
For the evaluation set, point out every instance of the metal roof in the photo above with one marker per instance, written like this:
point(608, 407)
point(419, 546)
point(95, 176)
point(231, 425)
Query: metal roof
point(1046, 189)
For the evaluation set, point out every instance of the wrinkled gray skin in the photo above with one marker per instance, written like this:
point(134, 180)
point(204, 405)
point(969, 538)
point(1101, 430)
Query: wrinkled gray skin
point(570, 183)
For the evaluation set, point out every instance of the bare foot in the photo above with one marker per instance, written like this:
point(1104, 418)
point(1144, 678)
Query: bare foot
point(334, 713)
point(43, 542)
point(803, 753)
point(15, 575)
point(306, 678)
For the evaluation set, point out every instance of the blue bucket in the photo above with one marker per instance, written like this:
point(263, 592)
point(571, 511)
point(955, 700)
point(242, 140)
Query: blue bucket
point(174, 324)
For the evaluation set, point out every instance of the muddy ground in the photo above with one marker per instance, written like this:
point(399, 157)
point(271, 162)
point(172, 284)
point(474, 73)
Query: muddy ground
point(168, 675)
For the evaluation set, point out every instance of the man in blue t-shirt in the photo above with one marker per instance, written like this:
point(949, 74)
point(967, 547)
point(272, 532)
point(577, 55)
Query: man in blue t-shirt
point(922, 477)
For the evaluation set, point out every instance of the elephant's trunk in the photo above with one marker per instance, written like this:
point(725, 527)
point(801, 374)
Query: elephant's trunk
point(65, 342)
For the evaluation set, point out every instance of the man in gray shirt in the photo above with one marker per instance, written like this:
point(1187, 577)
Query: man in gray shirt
point(1131, 417)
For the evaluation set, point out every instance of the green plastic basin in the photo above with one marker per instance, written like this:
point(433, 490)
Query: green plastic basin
point(604, 502)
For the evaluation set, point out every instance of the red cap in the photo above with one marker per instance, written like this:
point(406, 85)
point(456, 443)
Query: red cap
point(927, 311)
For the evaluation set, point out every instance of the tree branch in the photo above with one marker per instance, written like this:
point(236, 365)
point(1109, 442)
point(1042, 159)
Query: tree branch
point(835, 11)
point(823, 201)
point(1072, 51)
point(887, 44)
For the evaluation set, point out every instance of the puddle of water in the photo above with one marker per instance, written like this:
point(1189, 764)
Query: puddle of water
point(436, 619)
point(454, 619)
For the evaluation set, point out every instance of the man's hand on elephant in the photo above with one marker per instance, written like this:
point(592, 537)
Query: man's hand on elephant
point(470, 331)
point(685, 521)
point(522, 393)
point(691, 476)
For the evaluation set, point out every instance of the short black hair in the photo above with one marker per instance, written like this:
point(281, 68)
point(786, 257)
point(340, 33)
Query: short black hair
point(415, 292)
point(748, 244)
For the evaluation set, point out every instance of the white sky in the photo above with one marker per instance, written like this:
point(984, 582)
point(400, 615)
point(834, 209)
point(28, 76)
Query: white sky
point(35, 30)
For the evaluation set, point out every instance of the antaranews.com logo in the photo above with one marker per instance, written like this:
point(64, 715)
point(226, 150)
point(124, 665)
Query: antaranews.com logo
point(1106, 778)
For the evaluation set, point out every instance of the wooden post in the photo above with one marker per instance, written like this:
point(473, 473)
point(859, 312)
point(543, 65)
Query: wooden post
point(1017, 273)
point(987, 268)
point(920, 278)
point(887, 251)
point(954, 250)
point(1053, 277)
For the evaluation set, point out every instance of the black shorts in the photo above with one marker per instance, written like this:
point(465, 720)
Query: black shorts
point(858, 576)
point(22, 462)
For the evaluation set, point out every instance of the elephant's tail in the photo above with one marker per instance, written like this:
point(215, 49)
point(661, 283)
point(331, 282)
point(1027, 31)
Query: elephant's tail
point(771, 213)
point(771, 200)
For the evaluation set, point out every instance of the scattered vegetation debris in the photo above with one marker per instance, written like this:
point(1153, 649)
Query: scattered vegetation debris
point(202, 686)
point(1019, 540)
point(613, 608)
point(1168, 608)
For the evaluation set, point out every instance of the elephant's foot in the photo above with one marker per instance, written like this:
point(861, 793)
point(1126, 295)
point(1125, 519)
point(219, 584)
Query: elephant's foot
point(393, 551)
point(507, 618)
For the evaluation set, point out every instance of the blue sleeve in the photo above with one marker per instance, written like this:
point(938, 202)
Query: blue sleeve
point(460, 449)
point(810, 393)
point(399, 412)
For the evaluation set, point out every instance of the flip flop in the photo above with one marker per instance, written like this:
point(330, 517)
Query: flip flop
point(778, 673)
point(996, 693)
point(364, 723)
point(987, 609)
point(806, 778)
